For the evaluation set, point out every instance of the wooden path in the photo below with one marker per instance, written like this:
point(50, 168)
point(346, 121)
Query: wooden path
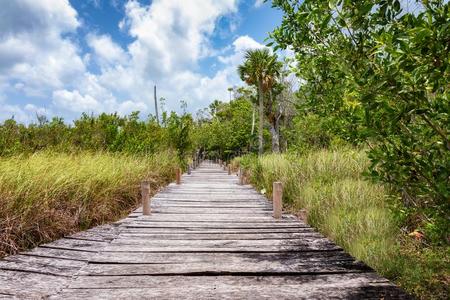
point(208, 238)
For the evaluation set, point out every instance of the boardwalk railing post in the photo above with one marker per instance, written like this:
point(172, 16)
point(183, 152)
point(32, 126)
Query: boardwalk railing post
point(277, 199)
point(229, 169)
point(145, 193)
point(178, 175)
point(241, 177)
point(189, 169)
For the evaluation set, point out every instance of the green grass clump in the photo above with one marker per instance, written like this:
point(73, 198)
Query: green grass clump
point(354, 212)
point(46, 195)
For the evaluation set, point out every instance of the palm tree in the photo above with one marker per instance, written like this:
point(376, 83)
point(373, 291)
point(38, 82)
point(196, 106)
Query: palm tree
point(259, 69)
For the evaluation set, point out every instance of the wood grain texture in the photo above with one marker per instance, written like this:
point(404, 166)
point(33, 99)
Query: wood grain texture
point(207, 238)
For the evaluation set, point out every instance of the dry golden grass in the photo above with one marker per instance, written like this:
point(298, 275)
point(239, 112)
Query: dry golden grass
point(354, 212)
point(47, 194)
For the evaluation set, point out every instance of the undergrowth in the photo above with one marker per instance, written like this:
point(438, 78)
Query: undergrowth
point(328, 187)
point(46, 195)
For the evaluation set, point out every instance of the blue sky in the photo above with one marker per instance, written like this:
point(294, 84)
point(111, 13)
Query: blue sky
point(65, 57)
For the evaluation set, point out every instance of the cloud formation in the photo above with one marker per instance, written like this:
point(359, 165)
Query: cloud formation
point(41, 58)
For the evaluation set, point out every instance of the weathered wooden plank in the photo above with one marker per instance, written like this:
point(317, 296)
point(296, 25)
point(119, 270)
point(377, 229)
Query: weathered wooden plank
point(211, 205)
point(93, 236)
point(201, 187)
point(216, 225)
point(227, 267)
point(25, 285)
point(305, 242)
point(211, 192)
point(207, 211)
point(41, 265)
point(213, 217)
point(189, 257)
point(200, 198)
point(224, 246)
point(342, 286)
point(222, 236)
point(140, 229)
point(203, 201)
point(74, 244)
point(180, 218)
point(212, 226)
point(59, 253)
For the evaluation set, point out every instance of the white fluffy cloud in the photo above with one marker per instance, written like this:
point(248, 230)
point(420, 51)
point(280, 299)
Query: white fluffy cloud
point(172, 34)
point(74, 101)
point(106, 50)
point(40, 57)
point(171, 37)
point(32, 48)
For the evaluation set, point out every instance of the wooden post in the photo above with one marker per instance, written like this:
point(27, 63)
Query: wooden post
point(277, 199)
point(241, 177)
point(145, 193)
point(229, 169)
point(189, 169)
point(178, 175)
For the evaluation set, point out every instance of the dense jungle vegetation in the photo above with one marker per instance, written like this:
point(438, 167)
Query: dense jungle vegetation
point(355, 122)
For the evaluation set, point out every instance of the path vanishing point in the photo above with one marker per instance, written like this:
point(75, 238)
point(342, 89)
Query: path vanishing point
point(207, 238)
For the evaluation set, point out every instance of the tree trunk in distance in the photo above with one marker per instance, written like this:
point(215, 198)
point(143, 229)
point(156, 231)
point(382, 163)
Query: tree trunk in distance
point(261, 118)
point(156, 106)
point(274, 128)
point(253, 119)
point(275, 138)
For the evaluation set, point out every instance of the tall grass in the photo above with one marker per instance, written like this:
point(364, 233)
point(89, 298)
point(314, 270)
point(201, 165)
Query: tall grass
point(354, 212)
point(48, 194)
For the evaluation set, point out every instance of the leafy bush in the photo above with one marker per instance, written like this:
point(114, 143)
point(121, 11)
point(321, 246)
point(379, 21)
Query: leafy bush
point(379, 72)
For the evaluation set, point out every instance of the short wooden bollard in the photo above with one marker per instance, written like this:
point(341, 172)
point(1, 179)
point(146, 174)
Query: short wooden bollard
point(189, 170)
point(241, 177)
point(229, 169)
point(178, 175)
point(277, 199)
point(145, 193)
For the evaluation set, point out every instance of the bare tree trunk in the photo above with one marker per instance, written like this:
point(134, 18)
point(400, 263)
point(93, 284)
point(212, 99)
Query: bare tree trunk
point(275, 139)
point(274, 128)
point(253, 119)
point(261, 119)
point(156, 106)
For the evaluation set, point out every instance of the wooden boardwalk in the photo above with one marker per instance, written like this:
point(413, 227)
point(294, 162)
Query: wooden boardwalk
point(208, 238)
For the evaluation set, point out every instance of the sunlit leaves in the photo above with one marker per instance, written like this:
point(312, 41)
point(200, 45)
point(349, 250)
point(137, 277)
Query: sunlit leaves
point(381, 73)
